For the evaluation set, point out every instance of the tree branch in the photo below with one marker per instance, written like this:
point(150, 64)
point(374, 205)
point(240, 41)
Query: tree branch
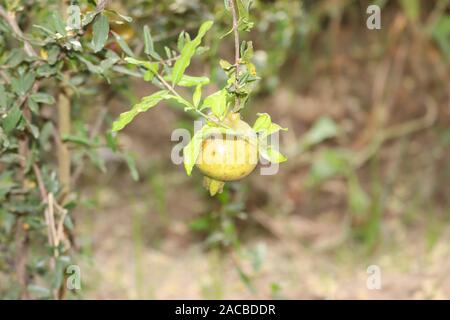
point(236, 50)
point(10, 17)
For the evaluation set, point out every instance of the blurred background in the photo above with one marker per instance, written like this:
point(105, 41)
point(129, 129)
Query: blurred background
point(366, 183)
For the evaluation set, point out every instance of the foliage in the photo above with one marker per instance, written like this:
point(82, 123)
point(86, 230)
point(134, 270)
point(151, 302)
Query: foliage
point(37, 141)
point(217, 106)
point(54, 57)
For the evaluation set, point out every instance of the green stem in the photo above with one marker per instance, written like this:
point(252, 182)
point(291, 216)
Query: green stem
point(171, 89)
point(236, 52)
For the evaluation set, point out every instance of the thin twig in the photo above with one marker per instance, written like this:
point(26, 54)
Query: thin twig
point(64, 160)
point(397, 131)
point(45, 198)
point(10, 17)
point(236, 51)
point(171, 89)
point(60, 227)
point(40, 181)
point(51, 226)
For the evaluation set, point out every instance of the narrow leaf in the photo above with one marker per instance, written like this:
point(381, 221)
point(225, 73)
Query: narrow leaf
point(197, 95)
point(273, 155)
point(188, 51)
point(189, 81)
point(131, 163)
point(191, 151)
point(145, 104)
point(148, 41)
point(123, 45)
point(41, 97)
point(217, 102)
point(58, 24)
point(100, 31)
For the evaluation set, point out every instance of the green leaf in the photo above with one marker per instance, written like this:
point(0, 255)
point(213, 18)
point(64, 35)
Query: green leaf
point(100, 32)
point(111, 59)
point(189, 81)
point(262, 123)
point(12, 119)
point(124, 17)
point(111, 141)
point(22, 84)
point(188, 51)
point(38, 291)
point(149, 75)
point(46, 70)
point(89, 17)
point(15, 58)
point(197, 95)
point(243, 8)
point(181, 100)
point(152, 70)
point(41, 97)
point(122, 44)
point(145, 104)
point(6, 184)
point(330, 162)
point(168, 52)
point(78, 139)
point(58, 273)
point(244, 16)
point(3, 98)
point(7, 219)
point(247, 53)
point(33, 129)
point(226, 4)
point(53, 54)
point(126, 71)
point(271, 154)
point(131, 163)
point(265, 127)
point(225, 65)
point(148, 44)
point(91, 67)
point(148, 41)
point(151, 66)
point(181, 41)
point(275, 128)
point(323, 129)
point(358, 199)
point(74, 17)
point(58, 24)
point(226, 33)
point(192, 150)
point(217, 102)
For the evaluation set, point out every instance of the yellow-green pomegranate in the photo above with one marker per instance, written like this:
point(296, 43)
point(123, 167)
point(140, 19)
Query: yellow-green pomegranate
point(229, 158)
